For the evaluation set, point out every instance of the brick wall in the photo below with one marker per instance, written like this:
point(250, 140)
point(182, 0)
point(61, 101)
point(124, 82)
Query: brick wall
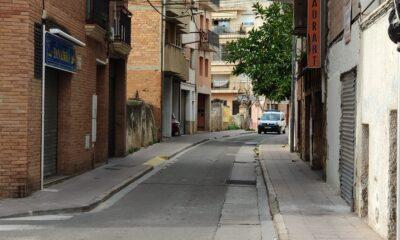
point(144, 64)
point(20, 96)
point(14, 97)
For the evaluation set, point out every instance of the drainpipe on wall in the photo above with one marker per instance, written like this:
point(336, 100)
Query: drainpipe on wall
point(43, 108)
point(292, 97)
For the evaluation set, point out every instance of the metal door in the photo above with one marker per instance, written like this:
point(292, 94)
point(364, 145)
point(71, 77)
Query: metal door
point(51, 123)
point(347, 136)
point(184, 95)
point(201, 112)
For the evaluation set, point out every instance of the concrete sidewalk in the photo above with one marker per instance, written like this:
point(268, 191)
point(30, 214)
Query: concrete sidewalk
point(84, 192)
point(303, 206)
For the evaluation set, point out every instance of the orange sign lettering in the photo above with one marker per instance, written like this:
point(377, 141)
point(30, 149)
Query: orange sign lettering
point(314, 34)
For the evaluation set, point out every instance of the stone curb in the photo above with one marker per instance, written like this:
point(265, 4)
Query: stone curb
point(273, 202)
point(106, 195)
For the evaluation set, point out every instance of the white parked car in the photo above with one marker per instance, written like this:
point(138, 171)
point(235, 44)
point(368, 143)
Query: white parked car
point(272, 121)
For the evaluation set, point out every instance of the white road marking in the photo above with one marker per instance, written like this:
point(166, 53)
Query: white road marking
point(50, 190)
point(39, 218)
point(5, 228)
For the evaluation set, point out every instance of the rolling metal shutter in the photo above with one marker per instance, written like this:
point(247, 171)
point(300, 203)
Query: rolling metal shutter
point(51, 123)
point(347, 136)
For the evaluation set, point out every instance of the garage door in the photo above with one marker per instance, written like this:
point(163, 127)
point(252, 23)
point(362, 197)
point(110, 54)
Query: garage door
point(51, 123)
point(347, 136)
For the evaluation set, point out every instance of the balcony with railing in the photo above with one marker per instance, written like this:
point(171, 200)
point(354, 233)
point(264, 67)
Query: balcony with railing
point(209, 41)
point(120, 22)
point(175, 62)
point(221, 54)
point(229, 30)
point(96, 18)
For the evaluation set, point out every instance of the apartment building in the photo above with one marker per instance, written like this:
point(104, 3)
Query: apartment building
point(232, 22)
point(170, 63)
point(201, 42)
point(62, 92)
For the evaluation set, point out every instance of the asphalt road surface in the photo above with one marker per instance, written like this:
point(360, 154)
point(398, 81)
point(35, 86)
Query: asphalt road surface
point(212, 191)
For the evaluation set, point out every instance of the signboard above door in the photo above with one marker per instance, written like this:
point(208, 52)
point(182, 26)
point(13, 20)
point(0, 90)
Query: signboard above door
point(59, 53)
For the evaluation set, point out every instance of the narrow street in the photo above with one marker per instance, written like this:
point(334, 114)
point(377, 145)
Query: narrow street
point(212, 191)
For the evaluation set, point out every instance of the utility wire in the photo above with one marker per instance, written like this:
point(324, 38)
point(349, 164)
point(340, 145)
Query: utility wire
point(165, 16)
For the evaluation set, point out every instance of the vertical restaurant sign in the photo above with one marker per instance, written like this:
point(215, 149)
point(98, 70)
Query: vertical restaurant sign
point(314, 34)
point(59, 53)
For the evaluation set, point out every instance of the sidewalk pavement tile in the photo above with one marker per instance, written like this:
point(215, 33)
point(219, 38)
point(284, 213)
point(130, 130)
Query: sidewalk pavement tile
point(309, 207)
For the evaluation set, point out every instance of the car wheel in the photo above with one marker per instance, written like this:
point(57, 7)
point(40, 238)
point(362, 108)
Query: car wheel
point(259, 131)
point(265, 132)
point(284, 131)
point(279, 131)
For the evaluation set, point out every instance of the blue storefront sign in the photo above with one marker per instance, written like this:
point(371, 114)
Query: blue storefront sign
point(59, 53)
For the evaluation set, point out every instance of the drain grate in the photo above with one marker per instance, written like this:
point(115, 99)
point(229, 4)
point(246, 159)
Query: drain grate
point(112, 168)
point(251, 143)
point(241, 182)
point(124, 165)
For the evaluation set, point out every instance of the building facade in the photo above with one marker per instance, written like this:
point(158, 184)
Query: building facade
point(63, 109)
point(233, 21)
point(168, 67)
point(358, 88)
point(201, 42)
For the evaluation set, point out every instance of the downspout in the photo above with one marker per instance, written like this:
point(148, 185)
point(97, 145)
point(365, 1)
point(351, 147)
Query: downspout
point(43, 108)
point(43, 96)
point(292, 97)
point(163, 10)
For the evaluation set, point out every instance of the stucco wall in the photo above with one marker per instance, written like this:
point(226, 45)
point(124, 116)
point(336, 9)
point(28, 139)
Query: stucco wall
point(341, 58)
point(378, 70)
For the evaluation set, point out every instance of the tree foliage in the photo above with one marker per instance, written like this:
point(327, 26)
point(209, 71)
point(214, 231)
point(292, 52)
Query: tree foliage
point(265, 54)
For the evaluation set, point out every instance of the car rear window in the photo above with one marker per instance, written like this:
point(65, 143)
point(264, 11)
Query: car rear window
point(271, 117)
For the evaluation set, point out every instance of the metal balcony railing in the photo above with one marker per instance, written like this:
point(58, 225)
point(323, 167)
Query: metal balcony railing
point(221, 54)
point(213, 38)
point(97, 12)
point(228, 30)
point(121, 24)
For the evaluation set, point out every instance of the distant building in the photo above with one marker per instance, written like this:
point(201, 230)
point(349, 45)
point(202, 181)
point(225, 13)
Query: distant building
point(232, 22)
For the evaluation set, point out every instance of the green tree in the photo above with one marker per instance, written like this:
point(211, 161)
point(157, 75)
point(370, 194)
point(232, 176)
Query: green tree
point(265, 54)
